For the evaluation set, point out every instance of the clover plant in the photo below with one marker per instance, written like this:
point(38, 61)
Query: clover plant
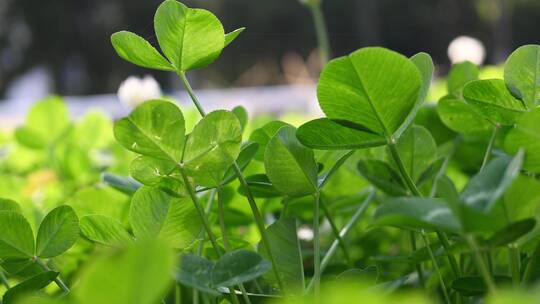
point(386, 192)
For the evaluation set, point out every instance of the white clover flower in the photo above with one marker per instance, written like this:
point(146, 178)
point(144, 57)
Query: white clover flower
point(135, 90)
point(465, 48)
point(305, 233)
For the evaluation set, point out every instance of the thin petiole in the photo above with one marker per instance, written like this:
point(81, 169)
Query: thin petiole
point(4, 279)
point(251, 200)
point(480, 265)
point(200, 210)
point(316, 244)
point(515, 263)
point(57, 280)
point(335, 230)
point(489, 149)
point(436, 266)
point(344, 231)
point(321, 30)
point(418, 266)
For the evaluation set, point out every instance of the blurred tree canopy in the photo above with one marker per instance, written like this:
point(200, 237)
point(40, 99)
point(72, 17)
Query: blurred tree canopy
point(71, 37)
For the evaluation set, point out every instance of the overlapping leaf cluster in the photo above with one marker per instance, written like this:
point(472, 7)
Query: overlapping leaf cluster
point(210, 214)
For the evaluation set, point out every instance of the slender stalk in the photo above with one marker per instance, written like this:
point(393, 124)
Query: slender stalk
point(515, 263)
point(221, 216)
point(335, 230)
point(418, 266)
point(316, 245)
point(177, 294)
point(225, 237)
point(480, 265)
point(320, 29)
point(414, 189)
point(4, 279)
point(200, 210)
point(57, 280)
point(489, 147)
point(436, 266)
point(191, 93)
point(344, 231)
point(207, 210)
point(251, 200)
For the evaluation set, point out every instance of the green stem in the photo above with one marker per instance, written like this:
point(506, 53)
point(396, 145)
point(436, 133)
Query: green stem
point(436, 266)
point(221, 216)
point(344, 231)
point(418, 266)
point(335, 230)
point(515, 263)
point(251, 200)
point(414, 189)
point(225, 237)
point(316, 245)
point(4, 279)
point(191, 93)
point(207, 210)
point(177, 294)
point(260, 224)
point(200, 210)
point(489, 147)
point(480, 265)
point(57, 280)
point(321, 30)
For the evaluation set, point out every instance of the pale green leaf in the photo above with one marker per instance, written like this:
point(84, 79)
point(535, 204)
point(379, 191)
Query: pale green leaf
point(57, 232)
point(189, 38)
point(104, 230)
point(137, 50)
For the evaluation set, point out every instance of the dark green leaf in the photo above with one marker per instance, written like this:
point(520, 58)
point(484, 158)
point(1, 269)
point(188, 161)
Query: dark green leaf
point(237, 267)
point(474, 285)
point(282, 234)
point(512, 232)
point(262, 136)
point(532, 272)
point(32, 284)
point(195, 271)
point(382, 176)
point(414, 212)
point(488, 186)
point(326, 134)
point(290, 166)
point(417, 149)
point(244, 158)
point(260, 186)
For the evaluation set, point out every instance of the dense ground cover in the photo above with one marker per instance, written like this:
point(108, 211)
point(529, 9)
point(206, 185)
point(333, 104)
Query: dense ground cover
point(383, 199)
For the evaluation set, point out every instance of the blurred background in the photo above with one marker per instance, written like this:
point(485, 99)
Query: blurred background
point(62, 46)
